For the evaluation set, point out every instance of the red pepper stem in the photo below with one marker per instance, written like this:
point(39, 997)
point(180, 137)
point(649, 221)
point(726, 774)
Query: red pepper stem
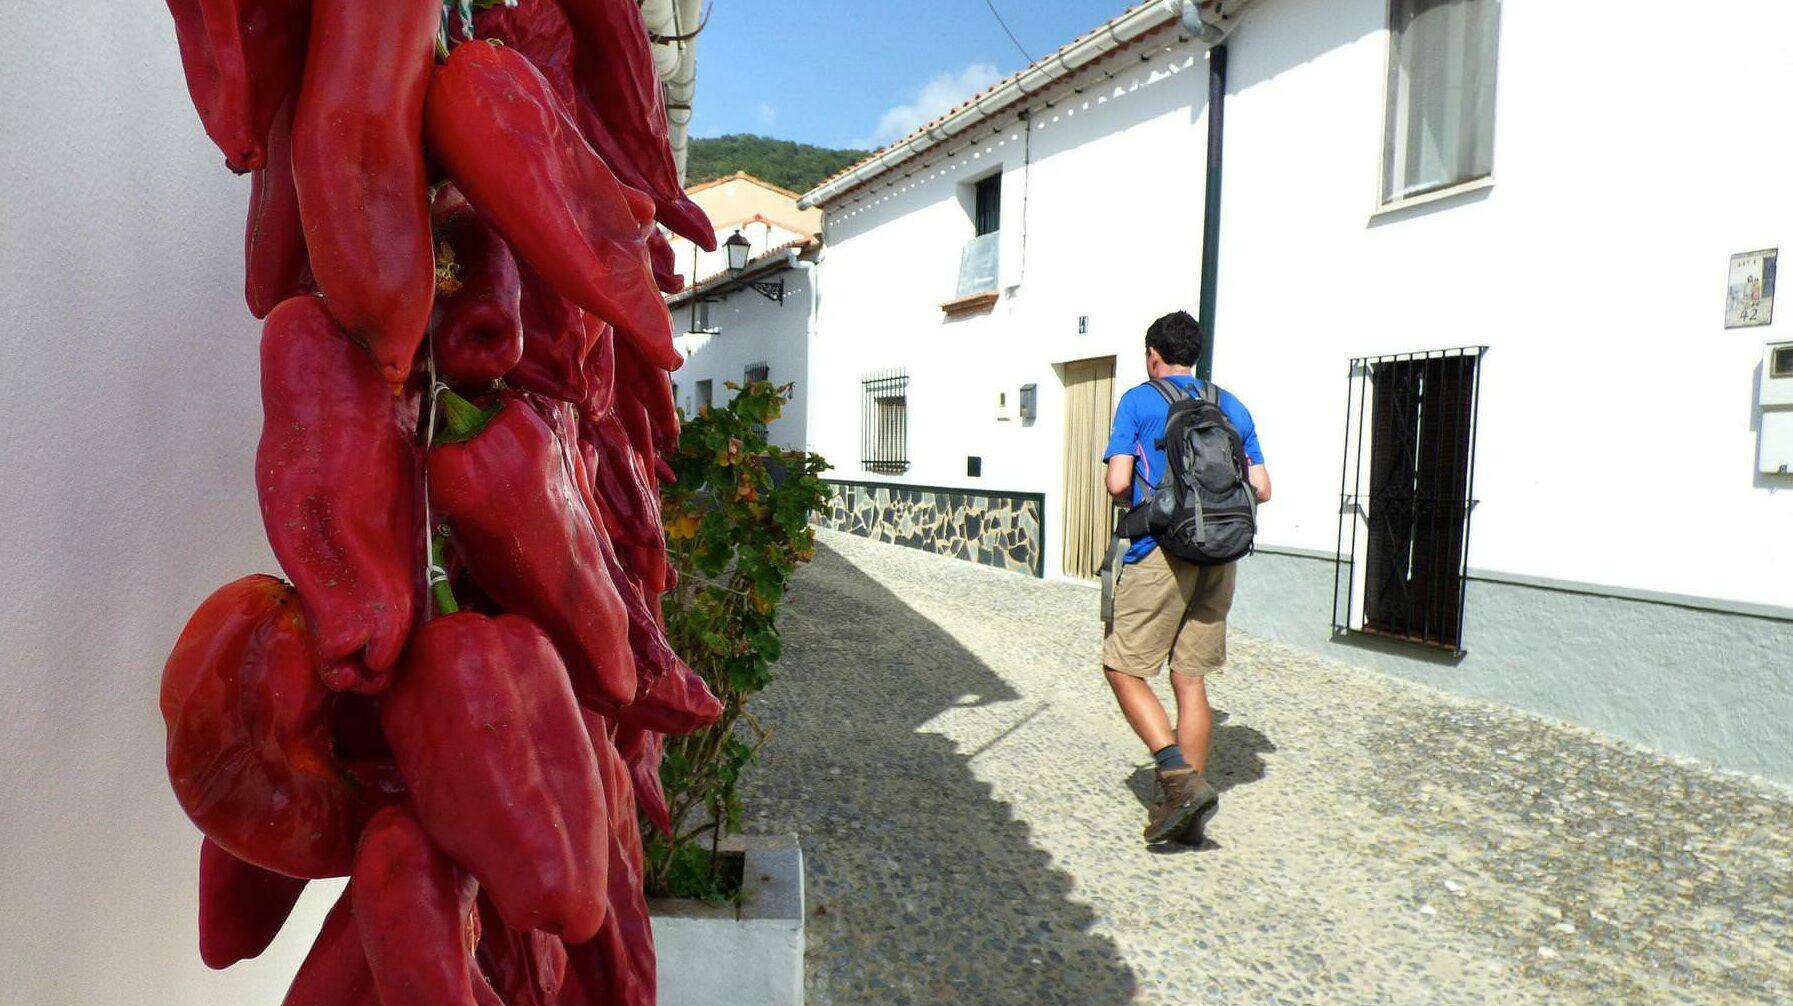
point(461, 419)
point(439, 585)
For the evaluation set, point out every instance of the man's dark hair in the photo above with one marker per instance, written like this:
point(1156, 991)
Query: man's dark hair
point(1177, 337)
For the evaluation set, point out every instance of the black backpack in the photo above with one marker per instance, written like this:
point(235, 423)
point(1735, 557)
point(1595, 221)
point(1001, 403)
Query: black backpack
point(1204, 510)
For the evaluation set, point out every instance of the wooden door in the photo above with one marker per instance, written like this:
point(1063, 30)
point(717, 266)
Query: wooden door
point(1089, 416)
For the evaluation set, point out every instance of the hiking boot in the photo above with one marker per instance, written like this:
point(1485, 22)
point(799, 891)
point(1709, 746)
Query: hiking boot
point(1185, 803)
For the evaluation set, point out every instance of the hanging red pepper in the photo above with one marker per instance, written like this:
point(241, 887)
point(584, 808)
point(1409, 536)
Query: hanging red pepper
point(335, 972)
point(358, 166)
point(489, 740)
point(539, 30)
point(557, 337)
point(477, 330)
point(336, 473)
point(526, 969)
point(416, 916)
point(647, 384)
point(643, 751)
point(617, 968)
point(624, 112)
point(666, 264)
point(502, 136)
point(249, 735)
point(600, 373)
point(241, 906)
point(520, 524)
point(275, 263)
point(242, 60)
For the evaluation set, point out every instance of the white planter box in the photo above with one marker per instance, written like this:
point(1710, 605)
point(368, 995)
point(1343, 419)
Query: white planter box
point(745, 954)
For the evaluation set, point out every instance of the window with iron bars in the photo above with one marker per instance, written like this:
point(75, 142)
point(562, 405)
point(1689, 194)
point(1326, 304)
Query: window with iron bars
point(1403, 545)
point(884, 424)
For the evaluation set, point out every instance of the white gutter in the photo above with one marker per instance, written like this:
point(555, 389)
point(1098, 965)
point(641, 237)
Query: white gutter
point(1117, 34)
point(676, 64)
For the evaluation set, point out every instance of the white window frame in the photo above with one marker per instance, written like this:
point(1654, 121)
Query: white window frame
point(1384, 203)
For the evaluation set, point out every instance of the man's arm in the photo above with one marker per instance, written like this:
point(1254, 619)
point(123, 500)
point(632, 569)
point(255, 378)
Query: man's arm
point(1120, 477)
point(1259, 477)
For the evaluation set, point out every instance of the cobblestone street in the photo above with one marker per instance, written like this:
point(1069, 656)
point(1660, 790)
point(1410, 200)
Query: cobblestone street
point(970, 800)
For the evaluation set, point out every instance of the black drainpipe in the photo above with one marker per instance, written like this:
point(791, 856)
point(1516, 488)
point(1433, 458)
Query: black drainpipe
point(1211, 209)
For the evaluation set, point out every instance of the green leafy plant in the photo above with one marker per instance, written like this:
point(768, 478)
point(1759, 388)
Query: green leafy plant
point(737, 527)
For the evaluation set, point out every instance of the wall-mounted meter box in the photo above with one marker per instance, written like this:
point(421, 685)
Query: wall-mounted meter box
point(1775, 451)
point(1030, 402)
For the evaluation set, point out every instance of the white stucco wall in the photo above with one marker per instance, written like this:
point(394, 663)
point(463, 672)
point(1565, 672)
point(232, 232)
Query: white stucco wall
point(1112, 231)
point(1632, 158)
point(1629, 165)
point(131, 414)
point(753, 330)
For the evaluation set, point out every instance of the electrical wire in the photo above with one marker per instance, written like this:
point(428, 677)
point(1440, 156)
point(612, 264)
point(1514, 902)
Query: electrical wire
point(1006, 30)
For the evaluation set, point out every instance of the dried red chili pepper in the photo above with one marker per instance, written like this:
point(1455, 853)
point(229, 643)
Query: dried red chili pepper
point(242, 60)
point(335, 972)
point(336, 473)
point(540, 31)
point(640, 380)
point(617, 967)
point(416, 917)
point(358, 166)
point(526, 969)
point(477, 330)
point(679, 703)
point(625, 113)
point(241, 906)
point(666, 263)
point(489, 740)
point(520, 524)
point(276, 264)
point(508, 144)
point(681, 706)
point(643, 751)
point(630, 503)
point(600, 373)
point(557, 337)
point(249, 735)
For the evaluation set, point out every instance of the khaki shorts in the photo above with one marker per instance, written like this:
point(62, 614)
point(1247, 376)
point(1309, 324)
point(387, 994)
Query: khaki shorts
point(1167, 609)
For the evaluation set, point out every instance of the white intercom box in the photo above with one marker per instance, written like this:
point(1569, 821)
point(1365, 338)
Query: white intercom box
point(1775, 451)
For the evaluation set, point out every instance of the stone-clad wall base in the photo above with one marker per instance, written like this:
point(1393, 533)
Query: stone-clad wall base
point(995, 529)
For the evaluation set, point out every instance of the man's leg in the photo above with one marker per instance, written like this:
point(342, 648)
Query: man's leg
point(1195, 719)
point(1145, 714)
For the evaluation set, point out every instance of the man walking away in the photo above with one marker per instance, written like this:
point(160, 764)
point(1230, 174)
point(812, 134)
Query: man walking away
point(1166, 609)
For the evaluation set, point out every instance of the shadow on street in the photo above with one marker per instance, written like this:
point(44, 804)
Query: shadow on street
point(910, 858)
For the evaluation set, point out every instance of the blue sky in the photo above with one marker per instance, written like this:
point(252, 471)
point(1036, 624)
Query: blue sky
point(844, 73)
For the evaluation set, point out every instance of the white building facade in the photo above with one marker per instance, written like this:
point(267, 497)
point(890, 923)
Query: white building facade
point(1470, 274)
point(754, 324)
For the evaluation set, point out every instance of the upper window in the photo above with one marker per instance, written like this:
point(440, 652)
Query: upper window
point(1441, 70)
point(980, 258)
point(987, 205)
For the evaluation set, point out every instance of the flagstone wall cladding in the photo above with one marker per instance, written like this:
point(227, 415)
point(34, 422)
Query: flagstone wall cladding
point(996, 529)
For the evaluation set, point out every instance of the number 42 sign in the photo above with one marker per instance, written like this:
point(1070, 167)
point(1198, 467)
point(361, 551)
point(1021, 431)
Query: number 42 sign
point(1749, 301)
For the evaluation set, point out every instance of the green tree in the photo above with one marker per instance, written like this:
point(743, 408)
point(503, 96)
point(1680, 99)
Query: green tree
point(796, 166)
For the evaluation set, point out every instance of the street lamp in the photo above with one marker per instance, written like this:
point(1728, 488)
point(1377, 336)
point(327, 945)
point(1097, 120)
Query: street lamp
point(738, 249)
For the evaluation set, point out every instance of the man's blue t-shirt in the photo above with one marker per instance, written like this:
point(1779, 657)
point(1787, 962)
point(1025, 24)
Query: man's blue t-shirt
point(1139, 425)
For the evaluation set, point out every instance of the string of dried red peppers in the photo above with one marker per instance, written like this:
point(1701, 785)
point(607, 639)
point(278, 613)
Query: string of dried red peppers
point(455, 702)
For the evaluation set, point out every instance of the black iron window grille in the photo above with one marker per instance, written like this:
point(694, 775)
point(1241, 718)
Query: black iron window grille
point(1403, 545)
point(884, 424)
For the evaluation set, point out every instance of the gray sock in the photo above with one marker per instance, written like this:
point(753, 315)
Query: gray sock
point(1169, 758)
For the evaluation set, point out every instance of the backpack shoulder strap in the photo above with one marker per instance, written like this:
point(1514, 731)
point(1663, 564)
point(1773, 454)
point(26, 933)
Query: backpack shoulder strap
point(1170, 390)
point(1211, 393)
